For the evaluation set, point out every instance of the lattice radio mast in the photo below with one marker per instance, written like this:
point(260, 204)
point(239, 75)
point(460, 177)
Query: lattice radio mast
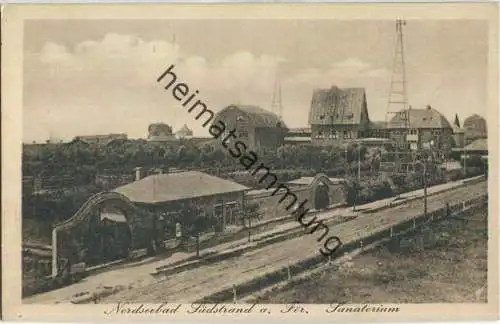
point(398, 99)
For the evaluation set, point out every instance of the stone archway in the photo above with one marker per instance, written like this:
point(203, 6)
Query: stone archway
point(69, 238)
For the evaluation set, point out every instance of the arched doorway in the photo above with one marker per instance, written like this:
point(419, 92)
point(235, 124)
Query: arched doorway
point(320, 191)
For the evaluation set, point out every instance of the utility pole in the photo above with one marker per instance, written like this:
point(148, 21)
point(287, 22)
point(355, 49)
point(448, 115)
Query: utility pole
point(465, 162)
point(359, 162)
point(425, 190)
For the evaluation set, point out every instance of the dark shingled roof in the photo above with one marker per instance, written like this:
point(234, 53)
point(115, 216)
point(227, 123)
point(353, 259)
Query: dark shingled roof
point(337, 106)
point(419, 118)
point(259, 117)
point(177, 186)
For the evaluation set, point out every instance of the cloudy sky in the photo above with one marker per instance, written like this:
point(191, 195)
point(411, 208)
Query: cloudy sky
point(86, 77)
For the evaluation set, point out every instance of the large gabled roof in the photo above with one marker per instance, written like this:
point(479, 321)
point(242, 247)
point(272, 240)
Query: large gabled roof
point(168, 187)
point(335, 106)
point(419, 118)
point(259, 117)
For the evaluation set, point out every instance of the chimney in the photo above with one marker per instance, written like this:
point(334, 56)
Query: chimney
point(138, 173)
point(428, 107)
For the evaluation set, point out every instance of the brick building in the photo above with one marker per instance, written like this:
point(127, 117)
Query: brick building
point(256, 127)
point(424, 128)
point(338, 115)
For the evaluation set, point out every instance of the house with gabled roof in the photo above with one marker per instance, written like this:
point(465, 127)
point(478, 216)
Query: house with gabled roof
point(338, 115)
point(420, 129)
point(256, 127)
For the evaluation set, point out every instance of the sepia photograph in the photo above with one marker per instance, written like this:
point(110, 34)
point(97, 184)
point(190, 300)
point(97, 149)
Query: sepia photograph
point(216, 164)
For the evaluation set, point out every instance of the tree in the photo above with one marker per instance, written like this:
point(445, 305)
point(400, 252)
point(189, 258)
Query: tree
point(457, 122)
point(251, 212)
point(351, 191)
point(195, 222)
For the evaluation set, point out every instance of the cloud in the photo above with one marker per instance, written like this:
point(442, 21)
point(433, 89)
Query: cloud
point(54, 53)
point(351, 64)
point(114, 78)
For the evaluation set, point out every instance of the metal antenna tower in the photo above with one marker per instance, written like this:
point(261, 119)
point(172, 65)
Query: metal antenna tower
point(276, 104)
point(398, 102)
point(398, 99)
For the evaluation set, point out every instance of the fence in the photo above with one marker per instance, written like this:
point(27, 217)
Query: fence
point(288, 272)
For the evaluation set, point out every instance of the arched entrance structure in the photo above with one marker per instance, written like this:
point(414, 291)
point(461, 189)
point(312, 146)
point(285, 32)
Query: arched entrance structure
point(71, 237)
point(319, 189)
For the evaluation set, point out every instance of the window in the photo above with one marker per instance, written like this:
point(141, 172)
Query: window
point(334, 134)
point(231, 213)
point(347, 134)
point(219, 213)
point(322, 117)
point(242, 127)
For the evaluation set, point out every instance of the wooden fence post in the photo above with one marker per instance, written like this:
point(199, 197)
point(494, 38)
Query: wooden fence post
point(361, 245)
point(55, 268)
point(414, 224)
point(288, 272)
point(390, 232)
point(235, 298)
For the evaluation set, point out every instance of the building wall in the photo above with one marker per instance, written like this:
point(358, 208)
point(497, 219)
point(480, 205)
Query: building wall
point(270, 206)
point(268, 138)
point(218, 205)
point(475, 127)
point(442, 137)
point(324, 135)
point(254, 137)
point(459, 139)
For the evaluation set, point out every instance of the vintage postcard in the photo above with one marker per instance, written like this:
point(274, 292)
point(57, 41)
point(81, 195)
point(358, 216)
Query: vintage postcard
point(258, 161)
